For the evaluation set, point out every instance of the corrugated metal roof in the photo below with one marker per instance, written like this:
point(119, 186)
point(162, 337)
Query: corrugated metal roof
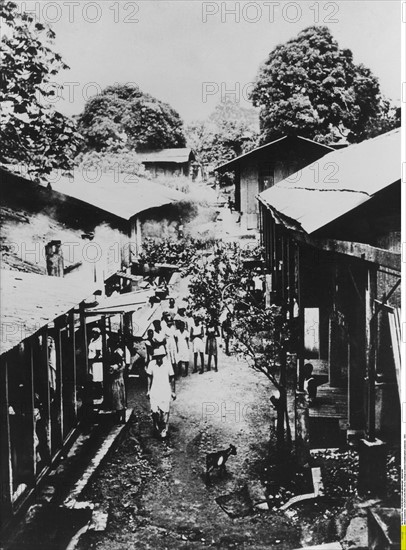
point(270, 146)
point(30, 301)
point(338, 182)
point(121, 194)
point(130, 301)
point(179, 155)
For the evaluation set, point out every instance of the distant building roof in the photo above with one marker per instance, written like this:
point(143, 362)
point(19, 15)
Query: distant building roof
point(121, 194)
point(30, 301)
point(277, 142)
point(177, 155)
point(337, 183)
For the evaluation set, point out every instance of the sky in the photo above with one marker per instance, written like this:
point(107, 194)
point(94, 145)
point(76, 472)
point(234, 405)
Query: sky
point(188, 53)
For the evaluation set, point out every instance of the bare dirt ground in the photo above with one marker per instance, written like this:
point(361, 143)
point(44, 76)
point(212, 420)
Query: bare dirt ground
point(156, 492)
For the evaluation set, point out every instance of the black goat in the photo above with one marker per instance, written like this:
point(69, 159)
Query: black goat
point(219, 459)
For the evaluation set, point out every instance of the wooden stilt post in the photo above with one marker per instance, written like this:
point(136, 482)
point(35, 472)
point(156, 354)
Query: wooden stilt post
point(300, 269)
point(73, 365)
point(6, 474)
point(372, 451)
point(59, 383)
point(47, 405)
point(30, 353)
point(105, 360)
point(301, 406)
point(371, 335)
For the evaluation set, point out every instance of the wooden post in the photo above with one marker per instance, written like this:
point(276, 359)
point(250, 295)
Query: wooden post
point(372, 451)
point(6, 474)
point(301, 332)
point(274, 257)
point(270, 247)
point(84, 335)
point(138, 235)
point(371, 335)
point(73, 350)
point(283, 266)
point(358, 360)
point(47, 405)
point(105, 361)
point(59, 382)
point(30, 351)
point(290, 292)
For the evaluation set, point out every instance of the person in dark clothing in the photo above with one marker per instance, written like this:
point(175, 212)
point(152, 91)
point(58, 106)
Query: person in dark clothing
point(117, 383)
point(212, 333)
point(226, 332)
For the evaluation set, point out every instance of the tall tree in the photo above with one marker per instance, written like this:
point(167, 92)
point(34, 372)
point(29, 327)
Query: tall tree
point(225, 134)
point(309, 86)
point(123, 116)
point(32, 132)
point(260, 333)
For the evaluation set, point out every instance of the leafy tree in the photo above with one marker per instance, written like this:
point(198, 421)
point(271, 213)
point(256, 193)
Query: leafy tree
point(118, 162)
point(260, 333)
point(309, 86)
point(124, 116)
point(388, 118)
point(229, 131)
point(32, 132)
point(176, 250)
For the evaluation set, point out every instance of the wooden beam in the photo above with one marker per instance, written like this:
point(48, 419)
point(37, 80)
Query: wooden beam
point(362, 251)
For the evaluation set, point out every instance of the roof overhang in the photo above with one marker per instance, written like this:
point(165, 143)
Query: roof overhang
point(231, 164)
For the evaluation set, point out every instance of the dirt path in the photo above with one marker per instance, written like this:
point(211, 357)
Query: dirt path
point(156, 491)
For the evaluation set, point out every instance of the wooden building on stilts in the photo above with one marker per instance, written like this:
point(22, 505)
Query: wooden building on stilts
point(46, 392)
point(333, 251)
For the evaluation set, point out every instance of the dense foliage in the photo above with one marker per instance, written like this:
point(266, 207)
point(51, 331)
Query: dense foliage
point(261, 334)
point(32, 132)
point(122, 116)
point(183, 252)
point(229, 131)
point(118, 162)
point(311, 87)
point(220, 282)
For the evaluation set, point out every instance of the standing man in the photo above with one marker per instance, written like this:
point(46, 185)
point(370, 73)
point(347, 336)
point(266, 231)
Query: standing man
point(181, 337)
point(196, 337)
point(226, 332)
point(95, 350)
point(181, 316)
point(161, 389)
point(172, 308)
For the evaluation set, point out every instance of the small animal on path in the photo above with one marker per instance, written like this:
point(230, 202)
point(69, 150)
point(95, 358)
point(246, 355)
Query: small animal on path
point(219, 459)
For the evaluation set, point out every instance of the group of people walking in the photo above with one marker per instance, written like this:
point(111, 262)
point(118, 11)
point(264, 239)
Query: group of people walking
point(169, 344)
